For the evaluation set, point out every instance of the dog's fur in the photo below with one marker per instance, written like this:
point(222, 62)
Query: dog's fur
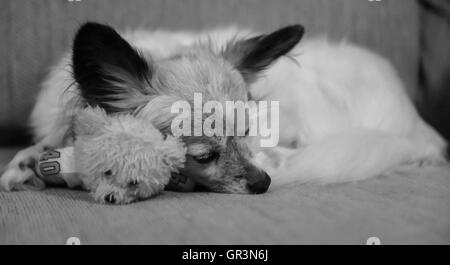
point(344, 114)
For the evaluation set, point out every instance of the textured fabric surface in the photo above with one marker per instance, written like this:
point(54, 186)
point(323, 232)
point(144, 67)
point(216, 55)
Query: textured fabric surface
point(411, 207)
point(35, 33)
point(435, 64)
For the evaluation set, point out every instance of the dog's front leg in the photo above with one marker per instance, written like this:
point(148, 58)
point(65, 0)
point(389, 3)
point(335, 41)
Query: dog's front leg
point(21, 169)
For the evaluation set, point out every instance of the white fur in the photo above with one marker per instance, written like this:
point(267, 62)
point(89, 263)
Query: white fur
point(343, 107)
point(348, 113)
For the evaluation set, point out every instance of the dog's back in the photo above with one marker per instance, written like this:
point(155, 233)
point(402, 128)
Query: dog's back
point(345, 109)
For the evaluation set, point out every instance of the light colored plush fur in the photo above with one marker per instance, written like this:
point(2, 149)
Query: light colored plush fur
point(344, 114)
point(123, 156)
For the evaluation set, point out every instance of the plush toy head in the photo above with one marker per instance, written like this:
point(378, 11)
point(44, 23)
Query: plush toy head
point(123, 158)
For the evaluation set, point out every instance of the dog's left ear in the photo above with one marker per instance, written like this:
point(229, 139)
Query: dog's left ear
point(110, 72)
point(251, 56)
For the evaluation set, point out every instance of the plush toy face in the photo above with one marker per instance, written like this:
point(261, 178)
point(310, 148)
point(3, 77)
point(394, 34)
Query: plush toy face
point(124, 159)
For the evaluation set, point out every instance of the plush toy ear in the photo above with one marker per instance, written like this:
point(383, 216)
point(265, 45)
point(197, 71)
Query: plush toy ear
point(172, 153)
point(251, 56)
point(90, 121)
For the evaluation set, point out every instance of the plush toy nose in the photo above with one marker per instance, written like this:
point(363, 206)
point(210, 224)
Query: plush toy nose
point(110, 198)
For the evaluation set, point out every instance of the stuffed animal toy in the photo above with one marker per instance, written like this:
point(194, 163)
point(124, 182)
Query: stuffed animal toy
point(119, 158)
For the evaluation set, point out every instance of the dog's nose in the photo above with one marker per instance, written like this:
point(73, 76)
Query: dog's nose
point(259, 186)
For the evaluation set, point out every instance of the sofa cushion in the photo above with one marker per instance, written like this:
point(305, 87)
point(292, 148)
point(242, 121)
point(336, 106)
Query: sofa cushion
point(408, 207)
point(35, 33)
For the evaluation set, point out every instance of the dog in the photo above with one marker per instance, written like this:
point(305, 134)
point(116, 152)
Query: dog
point(344, 113)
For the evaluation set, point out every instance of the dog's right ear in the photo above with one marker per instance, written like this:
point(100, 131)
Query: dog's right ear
point(251, 56)
point(110, 72)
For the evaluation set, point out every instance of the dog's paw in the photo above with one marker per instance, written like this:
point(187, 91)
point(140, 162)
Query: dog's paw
point(431, 161)
point(20, 169)
point(26, 157)
point(13, 178)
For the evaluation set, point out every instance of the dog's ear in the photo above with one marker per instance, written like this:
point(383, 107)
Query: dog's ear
point(90, 121)
point(110, 72)
point(251, 56)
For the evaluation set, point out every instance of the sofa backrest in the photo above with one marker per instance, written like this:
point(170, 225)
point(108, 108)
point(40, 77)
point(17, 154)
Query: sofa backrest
point(35, 33)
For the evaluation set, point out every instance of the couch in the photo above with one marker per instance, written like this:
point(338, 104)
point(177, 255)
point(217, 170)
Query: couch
point(410, 206)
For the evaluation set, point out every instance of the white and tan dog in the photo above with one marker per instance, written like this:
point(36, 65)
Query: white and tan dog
point(344, 114)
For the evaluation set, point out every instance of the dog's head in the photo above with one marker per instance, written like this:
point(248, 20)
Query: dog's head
point(115, 76)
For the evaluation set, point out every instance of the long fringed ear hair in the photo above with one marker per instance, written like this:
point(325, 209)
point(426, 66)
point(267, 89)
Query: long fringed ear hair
point(111, 73)
point(253, 55)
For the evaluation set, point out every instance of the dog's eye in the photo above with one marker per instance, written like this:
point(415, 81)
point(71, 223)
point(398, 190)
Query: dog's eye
point(207, 158)
point(133, 182)
point(107, 173)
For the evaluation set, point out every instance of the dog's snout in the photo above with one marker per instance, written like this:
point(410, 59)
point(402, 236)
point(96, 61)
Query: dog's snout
point(259, 186)
point(110, 198)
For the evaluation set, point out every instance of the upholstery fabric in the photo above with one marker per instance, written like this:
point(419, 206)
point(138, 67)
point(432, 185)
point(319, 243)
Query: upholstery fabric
point(408, 207)
point(435, 64)
point(35, 33)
